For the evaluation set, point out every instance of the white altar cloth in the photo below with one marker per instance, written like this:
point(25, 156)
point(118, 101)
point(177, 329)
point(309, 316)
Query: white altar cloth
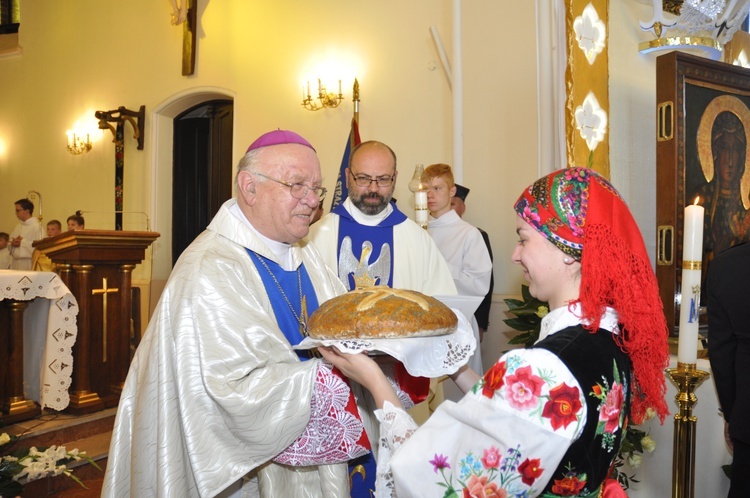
point(49, 332)
point(655, 472)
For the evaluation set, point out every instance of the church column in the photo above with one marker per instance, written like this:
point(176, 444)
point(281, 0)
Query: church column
point(14, 406)
point(124, 335)
point(82, 400)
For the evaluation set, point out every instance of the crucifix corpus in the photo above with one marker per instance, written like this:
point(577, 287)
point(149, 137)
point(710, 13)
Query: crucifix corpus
point(138, 120)
point(184, 12)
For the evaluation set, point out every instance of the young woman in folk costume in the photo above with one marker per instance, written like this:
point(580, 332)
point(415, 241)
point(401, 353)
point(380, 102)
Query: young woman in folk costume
point(546, 421)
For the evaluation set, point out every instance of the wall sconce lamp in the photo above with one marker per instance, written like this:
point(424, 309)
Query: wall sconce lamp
point(76, 144)
point(120, 115)
point(326, 99)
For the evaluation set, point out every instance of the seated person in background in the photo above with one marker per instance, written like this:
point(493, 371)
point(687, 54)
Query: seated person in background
point(5, 257)
point(54, 228)
point(458, 203)
point(39, 260)
point(461, 245)
point(545, 421)
point(76, 222)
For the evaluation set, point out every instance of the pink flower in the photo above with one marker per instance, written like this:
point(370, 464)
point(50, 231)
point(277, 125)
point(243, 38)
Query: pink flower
point(610, 411)
point(531, 215)
point(440, 462)
point(523, 389)
point(491, 458)
point(478, 487)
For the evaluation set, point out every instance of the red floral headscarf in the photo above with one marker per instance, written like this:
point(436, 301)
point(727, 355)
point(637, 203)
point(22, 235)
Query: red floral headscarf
point(582, 214)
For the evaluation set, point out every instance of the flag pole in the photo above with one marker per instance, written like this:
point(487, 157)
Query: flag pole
point(355, 99)
point(340, 192)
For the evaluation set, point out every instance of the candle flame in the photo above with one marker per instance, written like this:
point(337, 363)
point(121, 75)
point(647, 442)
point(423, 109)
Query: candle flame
point(697, 200)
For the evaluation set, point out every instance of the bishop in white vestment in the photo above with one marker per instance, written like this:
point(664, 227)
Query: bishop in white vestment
point(216, 399)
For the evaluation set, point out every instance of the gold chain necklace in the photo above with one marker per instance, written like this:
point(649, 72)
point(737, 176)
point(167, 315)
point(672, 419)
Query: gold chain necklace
point(302, 317)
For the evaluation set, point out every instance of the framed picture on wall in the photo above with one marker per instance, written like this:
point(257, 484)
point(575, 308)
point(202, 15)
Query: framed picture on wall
point(702, 152)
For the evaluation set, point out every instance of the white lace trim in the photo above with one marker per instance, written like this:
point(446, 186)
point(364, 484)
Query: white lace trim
point(396, 427)
point(332, 433)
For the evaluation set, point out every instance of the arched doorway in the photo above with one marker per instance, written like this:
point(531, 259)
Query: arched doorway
point(202, 169)
point(161, 183)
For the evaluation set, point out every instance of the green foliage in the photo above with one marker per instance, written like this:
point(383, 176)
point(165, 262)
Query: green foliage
point(529, 313)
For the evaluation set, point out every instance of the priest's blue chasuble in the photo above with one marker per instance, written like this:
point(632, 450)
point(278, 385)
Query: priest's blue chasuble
point(375, 242)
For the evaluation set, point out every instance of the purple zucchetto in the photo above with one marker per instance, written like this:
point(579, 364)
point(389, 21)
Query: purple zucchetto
point(278, 137)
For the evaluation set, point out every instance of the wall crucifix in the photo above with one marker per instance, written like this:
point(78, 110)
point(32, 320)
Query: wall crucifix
point(119, 116)
point(184, 12)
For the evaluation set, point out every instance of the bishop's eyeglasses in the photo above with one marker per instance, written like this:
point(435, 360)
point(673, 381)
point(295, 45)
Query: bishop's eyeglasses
point(366, 181)
point(298, 190)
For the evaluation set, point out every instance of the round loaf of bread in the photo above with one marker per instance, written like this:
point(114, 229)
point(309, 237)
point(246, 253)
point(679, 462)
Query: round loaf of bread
point(380, 312)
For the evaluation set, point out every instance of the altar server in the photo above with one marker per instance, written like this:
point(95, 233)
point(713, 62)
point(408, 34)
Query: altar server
point(545, 421)
point(461, 245)
point(27, 231)
point(5, 258)
point(482, 314)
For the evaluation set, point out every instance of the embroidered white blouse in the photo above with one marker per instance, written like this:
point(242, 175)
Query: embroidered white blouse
point(499, 436)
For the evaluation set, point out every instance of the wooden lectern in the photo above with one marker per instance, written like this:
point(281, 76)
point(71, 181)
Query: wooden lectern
point(97, 267)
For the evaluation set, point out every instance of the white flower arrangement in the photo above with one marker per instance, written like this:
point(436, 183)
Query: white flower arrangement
point(29, 464)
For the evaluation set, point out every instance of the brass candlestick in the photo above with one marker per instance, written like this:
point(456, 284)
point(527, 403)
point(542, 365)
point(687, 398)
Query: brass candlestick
point(687, 377)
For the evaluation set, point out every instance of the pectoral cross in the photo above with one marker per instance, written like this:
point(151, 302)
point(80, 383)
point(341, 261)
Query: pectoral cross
point(104, 291)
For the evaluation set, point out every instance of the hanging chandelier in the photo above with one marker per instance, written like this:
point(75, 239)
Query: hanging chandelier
point(702, 25)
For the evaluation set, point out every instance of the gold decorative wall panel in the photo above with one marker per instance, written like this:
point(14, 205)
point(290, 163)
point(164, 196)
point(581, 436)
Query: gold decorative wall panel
point(587, 84)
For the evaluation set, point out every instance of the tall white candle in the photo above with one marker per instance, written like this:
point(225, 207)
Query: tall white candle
point(420, 199)
point(420, 204)
point(692, 256)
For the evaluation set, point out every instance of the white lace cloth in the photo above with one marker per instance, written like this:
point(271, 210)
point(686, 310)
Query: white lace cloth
point(421, 356)
point(50, 331)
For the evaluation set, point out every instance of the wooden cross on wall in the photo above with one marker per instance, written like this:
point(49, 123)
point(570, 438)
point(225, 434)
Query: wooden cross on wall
point(119, 116)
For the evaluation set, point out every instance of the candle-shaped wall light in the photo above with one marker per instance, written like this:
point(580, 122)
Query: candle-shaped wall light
point(325, 99)
point(692, 257)
point(76, 144)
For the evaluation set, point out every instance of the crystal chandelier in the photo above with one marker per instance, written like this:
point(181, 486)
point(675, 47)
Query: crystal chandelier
point(705, 25)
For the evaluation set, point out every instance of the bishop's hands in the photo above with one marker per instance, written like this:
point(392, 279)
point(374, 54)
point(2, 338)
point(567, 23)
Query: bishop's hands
point(362, 369)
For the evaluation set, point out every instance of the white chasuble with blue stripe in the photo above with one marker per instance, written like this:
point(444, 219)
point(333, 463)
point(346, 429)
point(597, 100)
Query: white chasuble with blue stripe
point(366, 249)
point(286, 290)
